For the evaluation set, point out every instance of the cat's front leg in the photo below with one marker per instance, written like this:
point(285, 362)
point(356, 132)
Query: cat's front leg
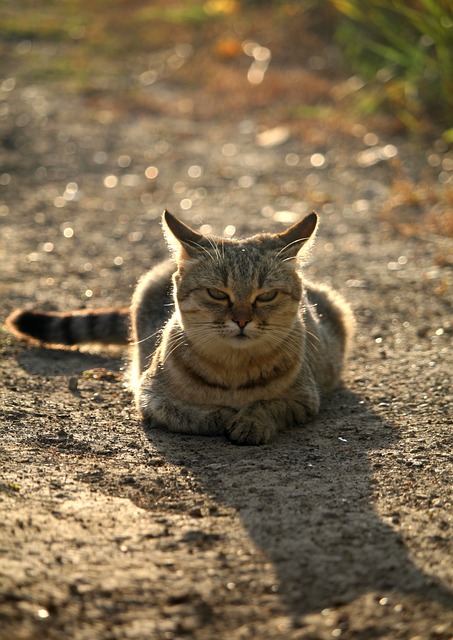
point(183, 417)
point(259, 422)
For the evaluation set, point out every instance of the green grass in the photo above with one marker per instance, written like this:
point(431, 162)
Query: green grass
point(403, 48)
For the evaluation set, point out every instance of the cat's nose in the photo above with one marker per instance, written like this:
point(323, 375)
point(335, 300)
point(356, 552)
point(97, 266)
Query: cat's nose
point(242, 323)
point(242, 314)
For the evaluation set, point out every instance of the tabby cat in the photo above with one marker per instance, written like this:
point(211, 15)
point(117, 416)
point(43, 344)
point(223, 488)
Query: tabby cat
point(227, 337)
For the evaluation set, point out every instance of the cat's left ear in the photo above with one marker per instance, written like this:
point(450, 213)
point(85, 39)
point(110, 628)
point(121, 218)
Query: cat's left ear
point(299, 235)
point(182, 240)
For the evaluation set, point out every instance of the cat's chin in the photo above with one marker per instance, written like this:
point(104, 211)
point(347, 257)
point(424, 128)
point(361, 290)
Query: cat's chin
point(241, 341)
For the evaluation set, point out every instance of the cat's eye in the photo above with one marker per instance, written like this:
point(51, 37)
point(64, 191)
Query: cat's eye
point(216, 294)
point(267, 296)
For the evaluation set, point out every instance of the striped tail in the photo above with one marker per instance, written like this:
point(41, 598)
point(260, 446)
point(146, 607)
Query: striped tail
point(106, 326)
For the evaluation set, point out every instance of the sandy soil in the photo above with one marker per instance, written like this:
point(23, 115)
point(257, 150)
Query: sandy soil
point(342, 529)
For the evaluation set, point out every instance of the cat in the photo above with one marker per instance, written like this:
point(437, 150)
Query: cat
point(227, 337)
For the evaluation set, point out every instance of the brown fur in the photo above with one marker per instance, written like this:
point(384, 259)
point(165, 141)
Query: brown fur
point(244, 346)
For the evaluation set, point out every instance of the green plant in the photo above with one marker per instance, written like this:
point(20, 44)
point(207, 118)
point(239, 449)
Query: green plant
point(403, 48)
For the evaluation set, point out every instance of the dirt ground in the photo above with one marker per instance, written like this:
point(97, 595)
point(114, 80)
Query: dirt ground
point(341, 529)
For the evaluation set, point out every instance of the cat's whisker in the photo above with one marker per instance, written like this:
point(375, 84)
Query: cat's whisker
point(173, 346)
point(204, 341)
point(312, 335)
point(208, 253)
point(189, 341)
point(152, 335)
point(290, 244)
point(289, 259)
point(215, 247)
point(284, 328)
point(280, 338)
point(290, 346)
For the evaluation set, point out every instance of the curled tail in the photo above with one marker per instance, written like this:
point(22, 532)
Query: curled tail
point(105, 326)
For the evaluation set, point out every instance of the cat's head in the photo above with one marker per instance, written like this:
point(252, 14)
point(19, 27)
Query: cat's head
point(237, 293)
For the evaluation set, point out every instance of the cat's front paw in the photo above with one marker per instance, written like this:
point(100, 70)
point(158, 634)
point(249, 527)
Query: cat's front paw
point(215, 420)
point(249, 430)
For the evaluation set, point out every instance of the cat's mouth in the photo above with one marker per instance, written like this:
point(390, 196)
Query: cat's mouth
point(239, 336)
point(241, 339)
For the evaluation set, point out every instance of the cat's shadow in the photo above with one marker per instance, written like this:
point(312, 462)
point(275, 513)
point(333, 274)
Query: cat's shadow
point(307, 502)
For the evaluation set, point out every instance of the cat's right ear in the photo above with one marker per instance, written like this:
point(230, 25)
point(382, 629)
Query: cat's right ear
point(300, 235)
point(183, 241)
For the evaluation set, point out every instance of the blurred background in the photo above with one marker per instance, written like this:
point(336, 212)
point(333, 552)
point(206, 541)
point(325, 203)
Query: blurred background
point(317, 69)
point(400, 50)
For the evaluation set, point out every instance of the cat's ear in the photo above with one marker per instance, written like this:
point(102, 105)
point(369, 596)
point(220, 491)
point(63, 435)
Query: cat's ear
point(299, 235)
point(182, 240)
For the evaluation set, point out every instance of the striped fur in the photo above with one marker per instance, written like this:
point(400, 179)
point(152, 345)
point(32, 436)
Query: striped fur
point(226, 338)
point(104, 326)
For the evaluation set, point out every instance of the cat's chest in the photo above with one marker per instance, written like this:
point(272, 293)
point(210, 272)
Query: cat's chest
point(229, 382)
